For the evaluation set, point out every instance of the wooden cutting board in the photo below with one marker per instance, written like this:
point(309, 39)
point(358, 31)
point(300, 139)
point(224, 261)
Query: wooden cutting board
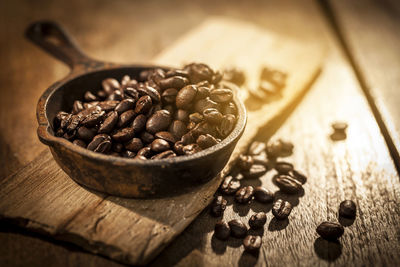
point(42, 198)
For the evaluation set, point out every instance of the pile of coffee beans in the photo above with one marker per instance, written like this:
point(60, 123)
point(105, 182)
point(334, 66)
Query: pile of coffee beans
point(160, 114)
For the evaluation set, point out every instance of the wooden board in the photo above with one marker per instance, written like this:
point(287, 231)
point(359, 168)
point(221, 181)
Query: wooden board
point(42, 198)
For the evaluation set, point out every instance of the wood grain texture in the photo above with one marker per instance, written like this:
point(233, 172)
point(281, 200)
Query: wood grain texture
point(42, 198)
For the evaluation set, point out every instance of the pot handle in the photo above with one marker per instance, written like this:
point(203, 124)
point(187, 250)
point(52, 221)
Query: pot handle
point(52, 38)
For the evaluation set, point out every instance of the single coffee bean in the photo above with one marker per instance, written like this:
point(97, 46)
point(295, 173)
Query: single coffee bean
point(191, 149)
point(348, 209)
point(158, 122)
point(176, 72)
point(196, 117)
point(199, 72)
point(286, 148)
point(101, 94)
point(139, 123)
point(252, 243)
point(244, 194)
point(238, 228)
point(109, 85)
point(222, 230)
point(144, 152)
point(177, 128)
point(204, 104)
point(185, 97)
point(227, 124)
point(206, 141)
point(117, 95)
point(330, 230)
point(173, 82)
point(97, 140)
point(109, 123)
point(178, 148)
point(212, 115)
point(203, 128)
point(288, 184)
point(274, 149)
point(245, 162)
point(93, 119)
point(164, 155)
point(256, 148)
point(221, 95)
point(283, 167)
point(229, 108)
point(257, 220)
point(298, 176)
point(77, 107)
point(147, 137)
point(263, 195)
point(103, 147)
point(86, 134)
point(129, 154)
point(125, 118)
point(339, 126)
point(150, 91)
point(89, 96)
point(181, 115)
point(61, 116)
point(108, 105)
point(229, 186)
point(143, 105)
point(337, 136)
point(125, 80)
point(123, 135)
point(131, 93)
point(167, 136)
point(218, 206)
point(91, 104)
point(202, 92)
point(79, 142)
point(125, 105)
point(169, 95)
point(159, 145)
point(187, 139)
point(263, 160)
point(281, 209)
point(135, 144)
point(255, 171)
point(74, 123)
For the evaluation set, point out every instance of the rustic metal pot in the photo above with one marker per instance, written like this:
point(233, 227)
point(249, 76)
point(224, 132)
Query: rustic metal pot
point(109, 174)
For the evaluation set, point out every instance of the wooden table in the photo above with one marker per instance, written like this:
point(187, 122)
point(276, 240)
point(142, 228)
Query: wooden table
point(358, 85)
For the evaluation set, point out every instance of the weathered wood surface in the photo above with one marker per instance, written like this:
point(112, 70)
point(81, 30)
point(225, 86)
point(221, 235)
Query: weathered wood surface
point(370, 33)
point(42, 198)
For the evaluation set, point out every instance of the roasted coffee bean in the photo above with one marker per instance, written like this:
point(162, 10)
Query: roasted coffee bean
point(263, 195)
point(135, 144)
point(229, 108)
point(191, 149)
point(79, 142)
point(125, 80)
point(221, 95)
point(126, 118)
point(330, 230)
point(255, 171)
point(173, 82)
point(144, 152)
point(288, 184)
point(274, 149)
point(129, 154)
point(159, 145)
point(283, 167)
point(101, 94)
point(125, 105)
point(147, 137)
point(212, 115)
point(229, 185)
point(103, 147)
point(77, 107)
point(222, 230)
point(123, 135)
point(164, 155)
point(256, 148)
point(89, 105)
point(109, 123)
point(263, 160)
point(61, 117)
point(339, 126)
point(139, 123)
point(337, 136)
point(117, 95)
point(131, 93)
point(218, 206)
point(298, 176)
point(238, 228)
point(181, 115)
point(227, 124)
point(150, 91)
point(93, 119)
point(74, 123)
point(196, 117)
point(97, 140)
point(204, 104)
point(281, 209)
point(185, 97)
point(286, 148)
point(202, 92)
point(244, 194)
point(206, 141)
point(158, 122)
point(177, 128)
point(110, 85)
point(245, 162)
point(117, 147)
point(108, 105)
point(70, 135)
point(257, 220)
point(178, 148)
point(191, 125)
point(167, 136)
point(176, 72)
point(85, 134)
point(252, 243)
point(89, 96)
point(143, 105)
point(203, 128)
point(199, 72)
point(348, 209)
point(169, 95)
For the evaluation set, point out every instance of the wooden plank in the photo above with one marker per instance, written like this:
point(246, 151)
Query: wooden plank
point(42, 198)
point(369, 31)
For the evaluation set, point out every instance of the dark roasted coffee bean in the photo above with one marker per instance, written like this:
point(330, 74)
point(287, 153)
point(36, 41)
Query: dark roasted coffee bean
point(158, 122)
point(79, 142)
point(181, 115)
point(281, 209)
point(103, 147)
point(178, 148)
point(196, 117)
point(117, 147)
point(108, 105)
point(135, 144)
point(202, 92)
point(330, 230)
point(227, 124)
point(173, 82)
point(244, 194)
point(348, 209)
point(150, 91)
point(190, 126)
point(339, 126)
point(176, 72)
point(125, 80)
point(221, 95)
point(169, 95)
point(131, 93)
point(125, 118)
point(185, 97)
point(91, 104)
point(77, 107)
point(229, 108)
point(93, 119)
point(167, 136)
point(229, 186)
point(139, 123)
point(262, 159)
point(164, 155)
point(238, 228)
point(159, 145)
point(199, 72)
point(177, 128)
point(218, 206)
point(85, 134)
point(74, 123)
point(145, 152)
point(89, 96)
point(97, 140)
point(252, 243)
point(110, 85)
point(212, 115)
point(101, 94)
point(61, 117)
point(147, 137)
point(206, 141)
point(222, 230)
point(125, 105)
point(109, 123)
point(283, 167)
point(129, 154)
point(245, 162)
point(257, 220)
point(263, 195)
point(204, 104)
point(117, 95)
point(70, 135)
point(123, 135)
point(191, 149)
point(143, 105)
point(298, 176)
point(256, 148)
point(203, 128)
point(288, 184)
point(255, 171)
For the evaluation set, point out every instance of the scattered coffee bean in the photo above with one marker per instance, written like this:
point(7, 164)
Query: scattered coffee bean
point(288, 184)
point(339, 126)
point(222, 230)
point(238, 228)
point(281, 209)
point(255, 171)
point(256, 148)
point(244, 194)
point(218, 206)
point(263, 195)
point(330, 230)
point(283, 167)
point(252, 243)
point(245, 162)
point(257, 220)
point(348, 209)
point(298, 176)
point(229, 186)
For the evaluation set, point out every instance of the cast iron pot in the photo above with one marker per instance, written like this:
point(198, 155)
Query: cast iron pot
point(109, 174)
